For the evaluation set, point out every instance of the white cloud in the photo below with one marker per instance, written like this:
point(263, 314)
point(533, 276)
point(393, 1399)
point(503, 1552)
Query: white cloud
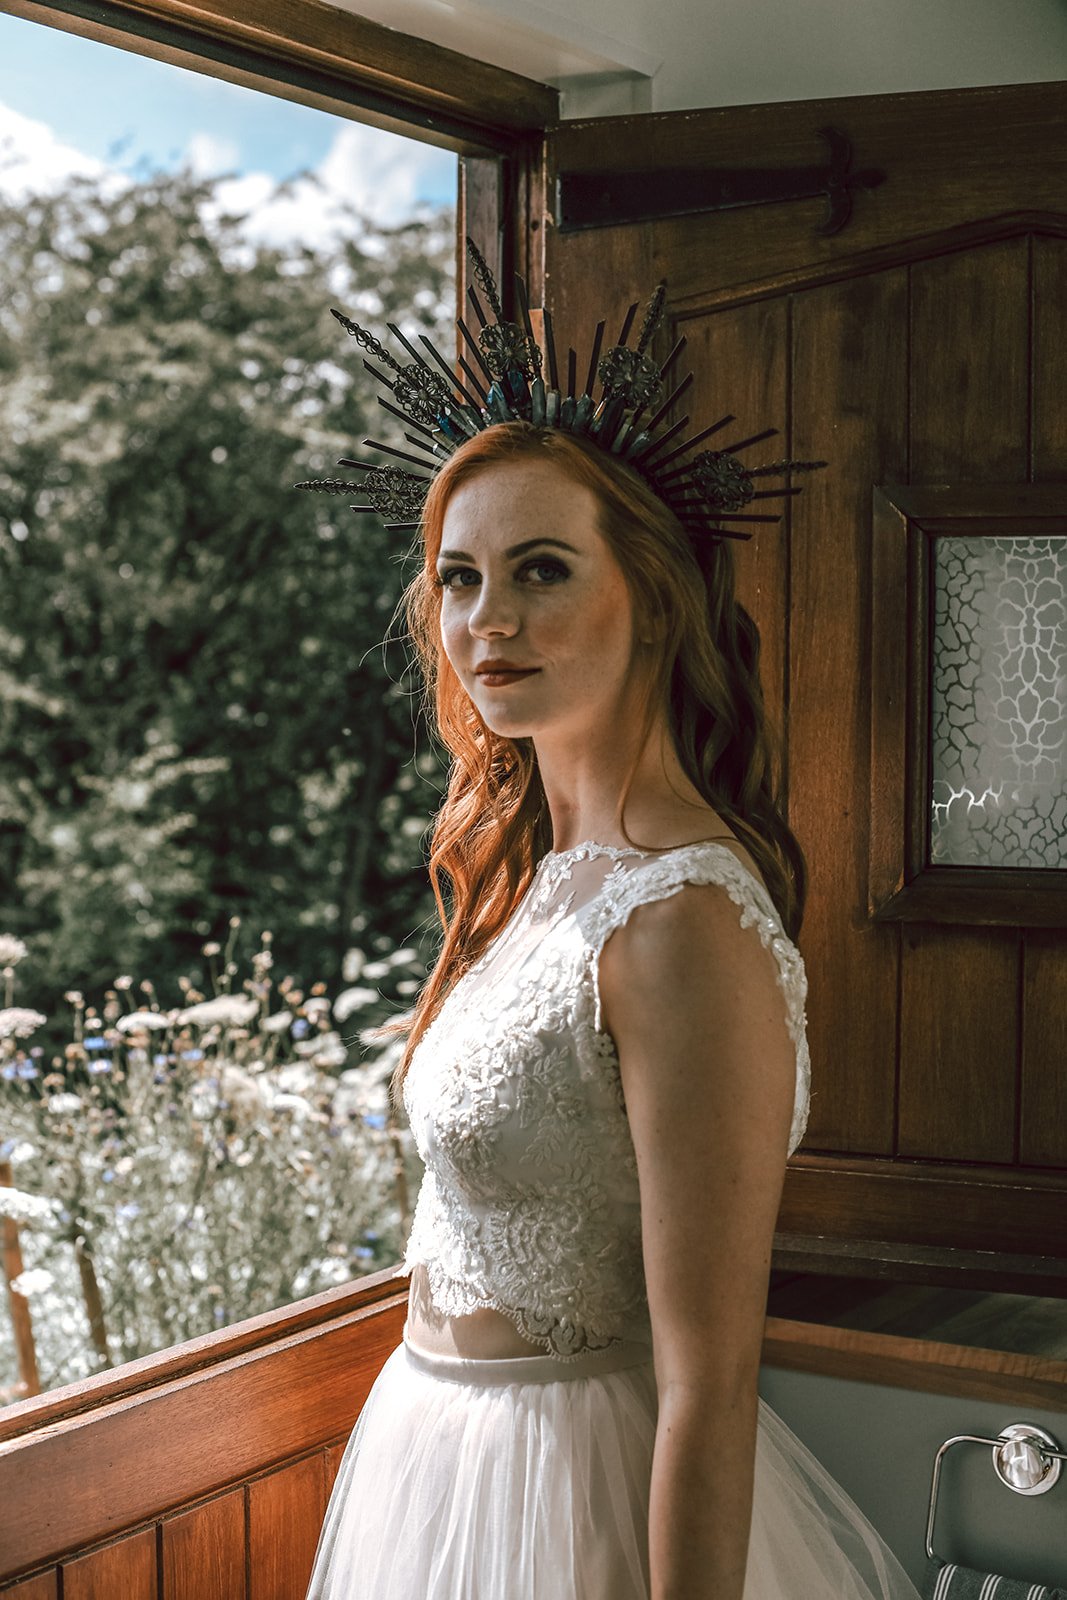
point(378, 174)
point(208, 155)
point(32, 159)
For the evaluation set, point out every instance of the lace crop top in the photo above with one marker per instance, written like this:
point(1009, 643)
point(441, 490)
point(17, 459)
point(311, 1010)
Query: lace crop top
point(529, 1204)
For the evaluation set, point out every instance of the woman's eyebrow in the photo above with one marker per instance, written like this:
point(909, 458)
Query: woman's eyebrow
point(516, 550)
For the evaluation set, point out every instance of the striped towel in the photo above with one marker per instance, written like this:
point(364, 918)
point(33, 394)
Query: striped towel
point(947, 1581)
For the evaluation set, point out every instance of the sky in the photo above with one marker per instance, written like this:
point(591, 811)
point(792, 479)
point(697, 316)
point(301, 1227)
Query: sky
point(69, 105)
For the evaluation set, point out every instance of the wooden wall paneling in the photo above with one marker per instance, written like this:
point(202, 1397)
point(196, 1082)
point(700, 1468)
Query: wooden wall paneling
point(222, 1425)
point(849, 392)
point(1049, 362)
point(333, 1462)
point(738, 359)
point(969, 416)
point(953, 159)
point(1043, 1113)
point(204, 1550)
point(45, 1586)
point(285, 1512)
point(958, 1036)
point(126, 1568)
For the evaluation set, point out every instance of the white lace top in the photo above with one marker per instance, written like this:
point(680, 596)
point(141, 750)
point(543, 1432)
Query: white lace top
point(530, 1203)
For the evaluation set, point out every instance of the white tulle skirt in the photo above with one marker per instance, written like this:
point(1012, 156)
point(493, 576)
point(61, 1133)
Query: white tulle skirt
point(528, 1479)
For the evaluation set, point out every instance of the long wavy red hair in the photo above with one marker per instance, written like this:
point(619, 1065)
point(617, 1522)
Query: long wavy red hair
point(494, 826)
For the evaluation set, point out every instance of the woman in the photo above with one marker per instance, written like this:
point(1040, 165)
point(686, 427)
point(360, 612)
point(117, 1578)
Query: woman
point(605, 1074)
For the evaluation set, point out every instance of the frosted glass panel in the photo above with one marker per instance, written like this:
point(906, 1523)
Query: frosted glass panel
point(998, 713)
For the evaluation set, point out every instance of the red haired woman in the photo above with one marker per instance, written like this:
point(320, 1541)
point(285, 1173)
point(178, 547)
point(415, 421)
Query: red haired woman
point(604, 1075)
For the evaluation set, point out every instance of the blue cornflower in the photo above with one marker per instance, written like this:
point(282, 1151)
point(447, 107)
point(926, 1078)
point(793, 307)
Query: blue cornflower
point(96, 1042)
point(128, 1209)
point(374, 1119)
point(299, 1028)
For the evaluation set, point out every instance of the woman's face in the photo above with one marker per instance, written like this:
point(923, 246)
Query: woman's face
point(529, 581)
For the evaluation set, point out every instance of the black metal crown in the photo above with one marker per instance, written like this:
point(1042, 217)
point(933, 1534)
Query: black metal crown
point(506, 384)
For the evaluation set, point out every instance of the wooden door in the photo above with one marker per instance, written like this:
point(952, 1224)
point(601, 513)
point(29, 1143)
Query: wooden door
point(920, 344)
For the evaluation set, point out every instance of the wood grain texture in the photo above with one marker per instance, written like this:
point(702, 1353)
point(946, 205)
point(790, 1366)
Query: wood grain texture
point(950, 1204)
point(958, 1043)
point(1043, 1113)
point(952, 157)
point(968, 413)
point(321, 56)
point(45, 1586)
point(204, 1550)
point(849, 392)
point(222, 1425)
point(126, 1568)
point(739, 361)
point(1048, 443)
point(924, 1365)
point(285, 1512)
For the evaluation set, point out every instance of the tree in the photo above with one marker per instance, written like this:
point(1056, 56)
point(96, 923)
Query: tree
point(196, 719)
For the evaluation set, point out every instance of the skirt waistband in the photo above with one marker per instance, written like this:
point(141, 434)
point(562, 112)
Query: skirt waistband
point(528, 1369)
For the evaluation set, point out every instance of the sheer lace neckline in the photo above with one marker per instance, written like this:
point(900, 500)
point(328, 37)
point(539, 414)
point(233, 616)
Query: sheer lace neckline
point(615, 851)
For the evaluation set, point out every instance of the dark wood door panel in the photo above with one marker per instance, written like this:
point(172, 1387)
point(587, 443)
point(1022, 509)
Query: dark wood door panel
point(849, 385)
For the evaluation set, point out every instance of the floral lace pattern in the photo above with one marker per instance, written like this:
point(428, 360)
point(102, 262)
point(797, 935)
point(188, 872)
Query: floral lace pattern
point(530, 1202)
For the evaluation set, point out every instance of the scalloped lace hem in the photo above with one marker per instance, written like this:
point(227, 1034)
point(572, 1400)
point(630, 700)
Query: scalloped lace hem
point(565, 1341)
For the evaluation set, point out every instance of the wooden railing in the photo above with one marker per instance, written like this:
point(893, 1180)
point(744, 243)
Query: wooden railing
point(202, 1473)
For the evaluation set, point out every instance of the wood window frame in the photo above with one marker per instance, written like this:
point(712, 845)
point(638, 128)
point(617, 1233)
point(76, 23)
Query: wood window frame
point(902, 885)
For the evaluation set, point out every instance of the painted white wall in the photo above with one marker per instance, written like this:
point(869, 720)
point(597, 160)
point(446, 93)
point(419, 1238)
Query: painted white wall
point(614, 56)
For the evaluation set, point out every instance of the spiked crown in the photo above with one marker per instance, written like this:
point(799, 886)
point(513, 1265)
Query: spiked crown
point(506, 383)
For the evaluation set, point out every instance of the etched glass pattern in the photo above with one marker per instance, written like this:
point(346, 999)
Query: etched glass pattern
point(998, 712)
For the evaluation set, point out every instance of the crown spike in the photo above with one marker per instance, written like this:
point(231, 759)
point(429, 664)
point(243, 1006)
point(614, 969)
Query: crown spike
point(643, 457)
point(412, 422)
point(486, 281)
point(447, 370)
point(654, 422)
point(743, 444)
point(473, 347)
point(598, 340)
point(550, 346)
point(387, 449)
point(628, 324)
point(672, 358)
point(652, 316)
point(572, 372)
point(483, 321)
point(697, 438)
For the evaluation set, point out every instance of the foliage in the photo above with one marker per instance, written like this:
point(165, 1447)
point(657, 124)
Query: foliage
point(195, 717)
point(178, 1170)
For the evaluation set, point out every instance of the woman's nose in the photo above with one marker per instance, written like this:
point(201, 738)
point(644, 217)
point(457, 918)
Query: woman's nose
point(493, 614)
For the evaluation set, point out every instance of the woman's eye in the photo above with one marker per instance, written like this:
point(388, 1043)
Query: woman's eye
point(554, 569)
point(445, 578)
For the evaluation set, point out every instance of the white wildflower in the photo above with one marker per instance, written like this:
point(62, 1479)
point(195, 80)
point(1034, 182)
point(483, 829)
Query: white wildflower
point(124, 982)
point(141, 1019)
point(34, 1280)
point(376, 969)
point(236, 1009)
point(276, 1023)
point(244, 1093)
point(350, 1000)
point(211, 948)
point(11, 950)
point(316, 1004)
point(352, 964)
point(291, 1102)
point(319, 1043)
point(23, 1207)
point(60, 1104)
point(18, 1022)
point(22, 1150)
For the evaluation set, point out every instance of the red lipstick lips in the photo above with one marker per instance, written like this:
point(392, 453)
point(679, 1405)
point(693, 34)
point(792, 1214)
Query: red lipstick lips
point(495, 674)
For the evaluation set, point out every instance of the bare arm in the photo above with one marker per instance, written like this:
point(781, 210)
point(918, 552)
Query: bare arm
point(708, 1067)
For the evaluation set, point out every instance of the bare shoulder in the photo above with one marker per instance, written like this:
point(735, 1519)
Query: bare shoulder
point(692, 1001)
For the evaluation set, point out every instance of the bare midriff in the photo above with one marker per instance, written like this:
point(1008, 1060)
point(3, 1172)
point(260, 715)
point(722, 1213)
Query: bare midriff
point(483, 1335)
